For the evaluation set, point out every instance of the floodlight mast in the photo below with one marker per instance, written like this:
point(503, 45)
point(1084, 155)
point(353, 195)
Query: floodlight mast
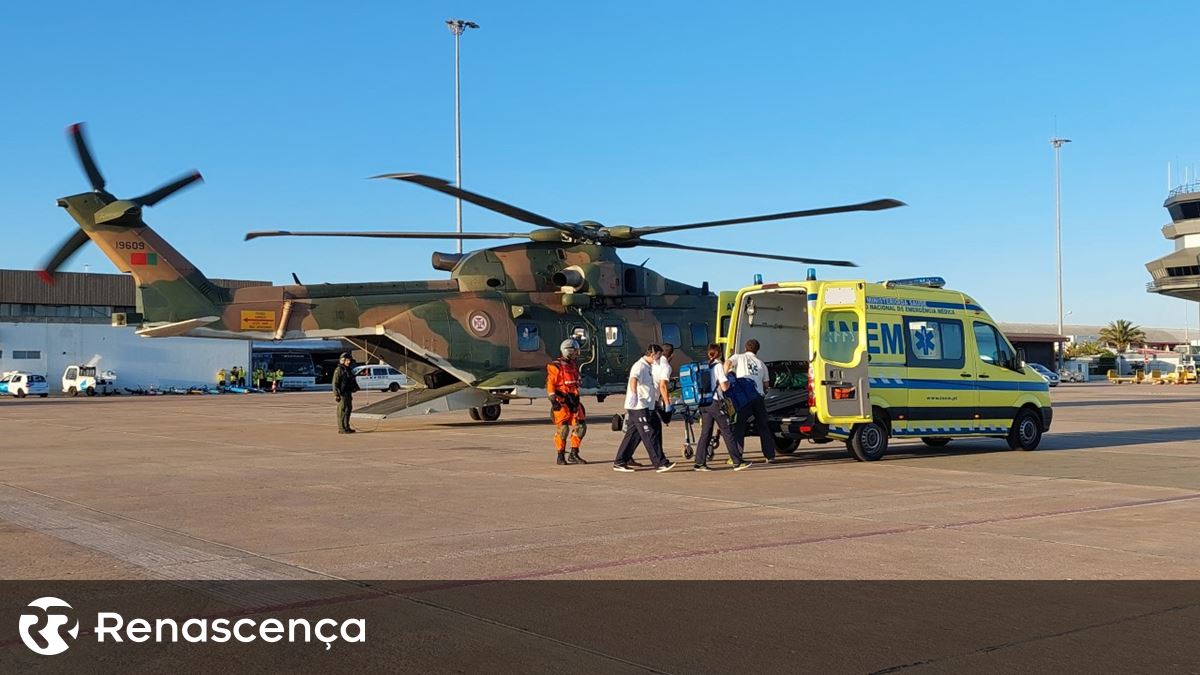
point(457, 28)
point(1057, 144)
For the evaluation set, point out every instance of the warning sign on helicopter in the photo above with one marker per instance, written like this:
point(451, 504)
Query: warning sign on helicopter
point(258, 319)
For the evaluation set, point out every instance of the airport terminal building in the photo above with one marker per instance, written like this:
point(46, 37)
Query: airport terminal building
point(44, 328)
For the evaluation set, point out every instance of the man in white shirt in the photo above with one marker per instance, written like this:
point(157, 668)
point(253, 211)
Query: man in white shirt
point(641, 395)
point(661, 371)
point(747, 364)
point(714, 414)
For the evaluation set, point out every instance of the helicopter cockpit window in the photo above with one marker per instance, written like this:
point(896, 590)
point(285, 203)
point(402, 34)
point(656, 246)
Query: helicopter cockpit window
point(580, 334)
point(527, 336)
point(699, 335)
point(670, 334)
point(613, 337)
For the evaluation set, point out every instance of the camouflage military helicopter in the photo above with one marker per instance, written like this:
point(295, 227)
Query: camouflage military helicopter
point(476, 340)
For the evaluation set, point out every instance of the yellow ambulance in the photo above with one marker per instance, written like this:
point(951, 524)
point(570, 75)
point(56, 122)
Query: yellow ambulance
point(864, 362)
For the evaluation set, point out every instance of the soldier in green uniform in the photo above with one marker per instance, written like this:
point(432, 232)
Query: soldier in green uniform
point(344, 386)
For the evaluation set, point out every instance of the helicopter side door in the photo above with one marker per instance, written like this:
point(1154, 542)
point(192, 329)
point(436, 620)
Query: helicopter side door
point(616, 350)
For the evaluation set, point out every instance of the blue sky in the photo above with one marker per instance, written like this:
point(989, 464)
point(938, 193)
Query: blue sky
point(625, 113)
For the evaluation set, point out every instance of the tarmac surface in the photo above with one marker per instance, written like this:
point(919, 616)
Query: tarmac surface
point(261, 487)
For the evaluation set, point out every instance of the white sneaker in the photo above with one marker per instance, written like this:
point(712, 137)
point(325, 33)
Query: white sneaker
point(622, 468)
point(666, 467)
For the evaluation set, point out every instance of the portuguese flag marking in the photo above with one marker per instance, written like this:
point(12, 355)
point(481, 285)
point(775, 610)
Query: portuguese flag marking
point(150, 259)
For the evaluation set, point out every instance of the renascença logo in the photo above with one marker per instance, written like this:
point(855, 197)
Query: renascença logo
point(42, 629)
point(49, 623)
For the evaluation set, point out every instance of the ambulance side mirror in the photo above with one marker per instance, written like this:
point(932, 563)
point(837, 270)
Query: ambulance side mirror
point(1019, 366)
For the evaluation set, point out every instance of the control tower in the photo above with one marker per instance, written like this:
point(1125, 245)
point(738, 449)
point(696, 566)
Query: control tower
point(1177, 274)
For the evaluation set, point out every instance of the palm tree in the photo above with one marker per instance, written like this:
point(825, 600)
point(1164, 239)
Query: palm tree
point(1120, 334)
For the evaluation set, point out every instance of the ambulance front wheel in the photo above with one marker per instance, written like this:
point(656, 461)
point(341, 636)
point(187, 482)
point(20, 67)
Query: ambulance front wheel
point(868, 442)
point(1026, 431)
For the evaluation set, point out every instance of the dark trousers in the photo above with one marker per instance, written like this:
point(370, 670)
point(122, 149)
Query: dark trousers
point(640, 428)
point(710, 416)
point(344, 408)
point(758, 411)
point(656, 422)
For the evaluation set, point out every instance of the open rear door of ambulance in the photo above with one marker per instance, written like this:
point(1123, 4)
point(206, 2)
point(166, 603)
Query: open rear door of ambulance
point(842, 385)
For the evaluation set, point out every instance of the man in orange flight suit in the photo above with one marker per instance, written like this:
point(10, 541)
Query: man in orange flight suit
point(562, 384)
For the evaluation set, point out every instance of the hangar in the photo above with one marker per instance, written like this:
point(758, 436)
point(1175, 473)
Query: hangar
point(46, 327)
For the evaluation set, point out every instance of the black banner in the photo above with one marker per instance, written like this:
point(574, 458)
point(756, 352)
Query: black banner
point(600, 626)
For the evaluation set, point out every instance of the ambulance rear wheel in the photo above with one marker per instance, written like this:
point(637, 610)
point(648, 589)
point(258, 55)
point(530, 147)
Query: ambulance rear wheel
point(868, 442)
point(490, 413)
point(474, 413)
point(785, 445)
point(1026, 431)
point(935, 442)
point(91, 391)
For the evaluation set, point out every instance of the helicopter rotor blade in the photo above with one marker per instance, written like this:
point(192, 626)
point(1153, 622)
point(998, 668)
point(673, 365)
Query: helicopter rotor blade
point(877, 205)
point(392, 235)
point(85, 156)
point(746, 254)
point(65, 251)
point(156, 196)
point(500, 207)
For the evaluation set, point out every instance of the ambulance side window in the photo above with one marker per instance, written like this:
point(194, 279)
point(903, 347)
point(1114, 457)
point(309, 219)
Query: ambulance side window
point(993, 348)
point(933, 343)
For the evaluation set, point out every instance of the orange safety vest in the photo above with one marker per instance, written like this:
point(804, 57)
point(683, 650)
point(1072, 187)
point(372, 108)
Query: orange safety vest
point(562, 377)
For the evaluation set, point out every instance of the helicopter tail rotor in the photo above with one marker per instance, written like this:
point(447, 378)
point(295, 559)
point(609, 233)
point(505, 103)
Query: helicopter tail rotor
point(100, 207)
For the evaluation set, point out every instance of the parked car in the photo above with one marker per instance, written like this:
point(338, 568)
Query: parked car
point(22, 384)
point(1048, 375)
point(380, 378)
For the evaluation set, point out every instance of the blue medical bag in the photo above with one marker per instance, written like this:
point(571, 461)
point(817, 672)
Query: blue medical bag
point(695, 387)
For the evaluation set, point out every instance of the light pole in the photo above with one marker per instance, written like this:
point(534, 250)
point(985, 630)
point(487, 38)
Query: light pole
point(1057, 144)
point(457, 26)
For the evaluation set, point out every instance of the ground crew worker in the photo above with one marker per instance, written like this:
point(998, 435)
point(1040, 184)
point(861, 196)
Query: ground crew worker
point(747, 364)
point(714, 414)
point(344, 386)
point(221, 377)
point(279, 378)
point(258, 377)
point(562, 384)
point(641, 395)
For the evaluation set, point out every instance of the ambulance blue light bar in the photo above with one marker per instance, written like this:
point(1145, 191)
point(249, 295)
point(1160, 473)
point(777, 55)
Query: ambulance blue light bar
point(928, 282)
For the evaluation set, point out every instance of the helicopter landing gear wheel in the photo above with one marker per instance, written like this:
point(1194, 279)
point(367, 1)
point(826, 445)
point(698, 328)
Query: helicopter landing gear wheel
point(474, 414)
point(490, 413)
